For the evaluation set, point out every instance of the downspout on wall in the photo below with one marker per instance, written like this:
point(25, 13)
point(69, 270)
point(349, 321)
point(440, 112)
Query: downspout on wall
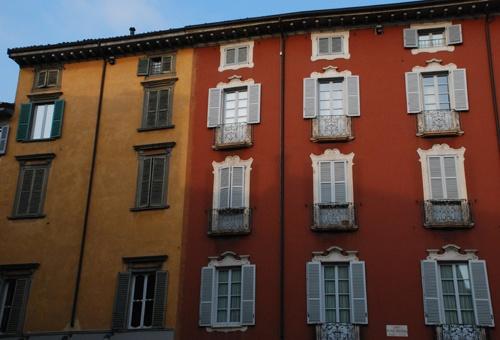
point(493, 87)
point(282, 181)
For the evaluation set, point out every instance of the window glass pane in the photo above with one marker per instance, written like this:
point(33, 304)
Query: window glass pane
point(221, 316)
point(343, 270)
point(235, 302)
point(330, 301)
point(449, 302)
point(223, 274)
point(329, 273)
point(235, 315)
point(462, 271)
point(148, 314)
point(151, 286)
point(330, 287)
point(343, 301)
point(451, 317)
point(468, 318)
point(155, 65)
point(448, 287)
point(330, 315)
point(136, 314)
point(466, 302)
point(138, 288)
point(343, 286)
point(236, 275)
point(344, 316)
point(38, 117)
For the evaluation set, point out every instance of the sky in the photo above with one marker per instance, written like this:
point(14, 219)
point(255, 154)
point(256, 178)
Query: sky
point(39, 22)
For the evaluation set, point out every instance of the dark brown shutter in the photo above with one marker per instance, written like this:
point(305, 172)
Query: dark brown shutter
point(157, 197)
point(143, 67)
point(144, 181)
point(24, 193)
point(52, 76)
point(151, 108)
point(41, 79)
point(119, 318)
point(160, 299)
point(163, 107)
point(37, 192)
point(16, 317)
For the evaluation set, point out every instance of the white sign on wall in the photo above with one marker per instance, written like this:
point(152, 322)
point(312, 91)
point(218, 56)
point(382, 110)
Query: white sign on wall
point(397, 331)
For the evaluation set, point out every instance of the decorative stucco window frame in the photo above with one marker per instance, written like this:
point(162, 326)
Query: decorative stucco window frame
point(248, 64)
point(331, 72)
point(231, 161)
point(315, 45)
point(443, 150)
point(453, 253)
point(424, 26)
point(235, 81)
point(335, 255)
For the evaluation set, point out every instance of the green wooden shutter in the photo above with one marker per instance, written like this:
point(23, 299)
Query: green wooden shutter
point(314, 299)
point(158, 185)
point(24, 122)
point(16, 317)
point(4, 135)
point(206, 295)
point(163, 107)
point(55, 132)
point(24, 193)
point(119, 317)
point(160, 299)
point(143, 67)
point(144, 179)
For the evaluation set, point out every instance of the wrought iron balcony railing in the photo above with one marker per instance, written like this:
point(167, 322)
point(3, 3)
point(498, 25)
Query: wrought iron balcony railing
point(232, 221)
point(337, 331)
point(330, 128)
point(447, 213)
point(234, 135)
point(334, 216)
point(460, 332)
point(438, 123)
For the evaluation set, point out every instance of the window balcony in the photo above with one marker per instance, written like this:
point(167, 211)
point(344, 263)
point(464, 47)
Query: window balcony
point(447, 213)
point(331, 128)
point(460, 332)
point(232, 136)
point(438, 123)
point(337, 331)
point(334, 216)
point(232, 221)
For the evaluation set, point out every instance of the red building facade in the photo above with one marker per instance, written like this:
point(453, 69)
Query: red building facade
point(344, 176)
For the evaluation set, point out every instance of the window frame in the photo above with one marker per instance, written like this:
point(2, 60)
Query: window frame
point(249, 63)
point(134, 274)
point(33, 114)
point(237, 90)
point(47, 71)
point(436, 93)
point(230, 162)
point(432, 26)
point(228, 309)
point(145, 110)
point(316, 36)
point(336, 294)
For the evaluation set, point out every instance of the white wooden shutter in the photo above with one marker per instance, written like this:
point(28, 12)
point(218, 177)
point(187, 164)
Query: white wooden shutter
point(224, 187)
point(436, 177)
point(481, 293)
point(450, 177)
point(237, 186)
point(248, 294)
point(4, 135)
point(431, 292)
point(340, 183)
point(454, 34)
point(325, 182)
point(413, 93)
point(206, 295)
point(310, 97)
point(359, 310)
point(460, 95)
point(214, 107)
point(410, 38)
point(314, 283)
point(352, 85)
point(254, 104)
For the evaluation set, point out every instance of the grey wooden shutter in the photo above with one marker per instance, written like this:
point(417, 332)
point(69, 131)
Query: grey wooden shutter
point(310, 97)
point(243, 55)
point(325, 182)
point(158, 182)
point(143, 67)
point(57, 119)
point(143, 181)
point(431, 292)
point(459, 80)
point(436, 177)
point(323, 45)
point(237, 187)
point(230, 56)
point(41, 79)
point(413, 93)
point(214, 107)
point(52, 76)
point(224, 187)
point(17, 312)
point(336, 45)
point(4, 136)
point(352, 85)
point(164, 107)
point(120, 308)
point(166, 63)
point(454, 34)
point(206, 295)
point(160, 299)
point(450, 177)
point(150, 108)
point(23, 196)
point(248, 294)
point(35, 205)
point(481, 293)
point(340, 182)
point(254, 104)
point(358, 293)
point(410, 38)
point(314, 283)
point(23, 126)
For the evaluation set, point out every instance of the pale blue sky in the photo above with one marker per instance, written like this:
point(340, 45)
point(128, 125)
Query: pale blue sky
point(39, 22)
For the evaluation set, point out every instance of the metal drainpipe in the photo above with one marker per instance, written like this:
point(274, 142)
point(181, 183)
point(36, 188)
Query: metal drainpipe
point(89, 193)
point(282, 181)
point(492, 76)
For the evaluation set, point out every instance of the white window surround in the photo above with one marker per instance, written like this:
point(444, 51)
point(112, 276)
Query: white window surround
point(452, 252)
point(235, 81)
point(333, 155)
point(335, 254)
point(229, 162)
point(223, 48)
point(345, 45)
point(434, 65)
point(424, 26)
point(331, 72)
point(443, 150)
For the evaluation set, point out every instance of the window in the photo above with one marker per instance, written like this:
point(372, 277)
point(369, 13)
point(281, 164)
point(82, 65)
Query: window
point(436, 92)
point(157, 108)
point(40, 121)
point(457, 293)
point(443, 177)
point(329, 46)
point(152, 176)
point(236, 56)
point(141, 294)
point(336, 293)
point(235, 106)
point(433, 37)
point(227, 298)
point(156, 65)
point(6, 302)
point(4, 136)
point(46, 78)
point(32, 185)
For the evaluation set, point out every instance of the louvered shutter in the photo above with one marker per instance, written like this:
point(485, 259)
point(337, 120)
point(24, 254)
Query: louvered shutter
point(52, 76)
point(413, 93)
point(23, 200)
point(35, 204)
point(450, 177)
point(206, 295)
point(352, 85)
point(166, 64)
point(143, 67)
point(242, 55)
point(310, 97)
point(237, 186)
point(460, 95)
point(158, 175)
point(314, 304)
point(160, 299)
point(340, 185)
point(230, 56)
point(214, 107)
point(248, 295)
point(150, 109)
point(57, 120)
point(145, 165)
point(358, 293)
point(41, 79)
point(323, 45)
point(436, 177)
point(431, 292)
point(481, 293)
point(17, 312)
point(24, 122)
point(454, 34)
point(254, 104)
point(224, 187)
point(410, 38)
point(336, 45)
point(325, 182)
point(163, 108)
point(4, 136)
point(119, 317)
